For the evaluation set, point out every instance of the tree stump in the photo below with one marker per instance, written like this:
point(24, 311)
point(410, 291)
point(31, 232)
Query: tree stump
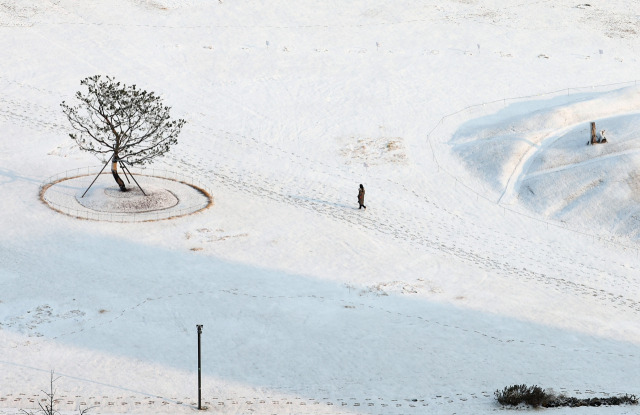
point(594, 138)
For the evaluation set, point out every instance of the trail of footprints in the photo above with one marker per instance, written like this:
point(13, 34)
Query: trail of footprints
point(384, 405)
point(288, 404)
point(435, 236)
point(102, 320)
point(32, 115)
point(13, 404)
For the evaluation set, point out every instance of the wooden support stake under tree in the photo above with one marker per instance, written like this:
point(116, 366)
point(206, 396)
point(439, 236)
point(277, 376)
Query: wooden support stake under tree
point(594, 138)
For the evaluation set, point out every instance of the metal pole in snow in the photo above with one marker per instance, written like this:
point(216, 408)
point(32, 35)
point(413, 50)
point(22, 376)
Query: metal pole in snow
point(94, 180)
point(199, 327)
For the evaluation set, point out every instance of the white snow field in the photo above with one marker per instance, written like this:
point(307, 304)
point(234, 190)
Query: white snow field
point(497, 248)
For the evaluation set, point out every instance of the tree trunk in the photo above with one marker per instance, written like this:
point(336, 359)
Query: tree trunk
point(114, 171)
point(594, 138)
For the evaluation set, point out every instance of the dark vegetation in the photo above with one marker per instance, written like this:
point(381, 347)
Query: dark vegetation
point(536, 397)
point(121, 123)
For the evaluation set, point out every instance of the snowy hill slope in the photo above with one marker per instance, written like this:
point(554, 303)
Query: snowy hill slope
point(438, 294)
point(540, 156)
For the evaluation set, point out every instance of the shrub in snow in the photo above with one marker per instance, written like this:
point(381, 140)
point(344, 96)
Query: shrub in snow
point(535, 396)
point(575, 402)
point(522, 394)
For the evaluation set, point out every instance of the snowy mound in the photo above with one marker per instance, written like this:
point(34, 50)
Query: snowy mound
point(111, 199)
point(537, 153)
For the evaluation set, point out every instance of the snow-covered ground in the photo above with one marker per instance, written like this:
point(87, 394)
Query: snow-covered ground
point(496, 249)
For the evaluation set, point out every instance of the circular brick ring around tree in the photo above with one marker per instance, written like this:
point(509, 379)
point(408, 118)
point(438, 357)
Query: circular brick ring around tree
point(157, 197)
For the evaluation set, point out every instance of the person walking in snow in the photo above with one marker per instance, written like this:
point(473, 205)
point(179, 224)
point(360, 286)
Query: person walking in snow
point(361, 198)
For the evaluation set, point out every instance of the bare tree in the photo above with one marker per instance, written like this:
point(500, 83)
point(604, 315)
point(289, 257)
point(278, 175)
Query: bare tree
point(121, 123)
point(48, 408)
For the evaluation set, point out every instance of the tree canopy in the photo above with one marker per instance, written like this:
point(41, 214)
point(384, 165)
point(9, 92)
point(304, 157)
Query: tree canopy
point(113, 118)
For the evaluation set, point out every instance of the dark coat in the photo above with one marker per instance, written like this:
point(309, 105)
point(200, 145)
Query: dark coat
point(361, 196)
